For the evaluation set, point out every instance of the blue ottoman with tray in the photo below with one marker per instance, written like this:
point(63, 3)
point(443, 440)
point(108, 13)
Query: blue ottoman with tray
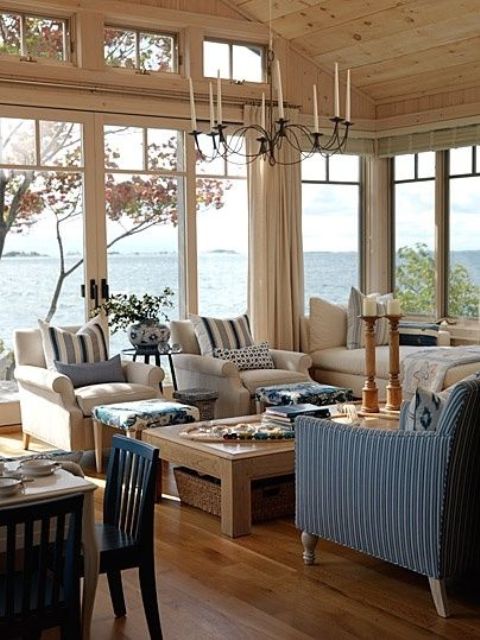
point(301, 393)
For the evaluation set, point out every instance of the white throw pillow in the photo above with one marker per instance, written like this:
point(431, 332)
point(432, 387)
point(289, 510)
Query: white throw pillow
point(88, 344)
point(355, 325)
point(327, 325)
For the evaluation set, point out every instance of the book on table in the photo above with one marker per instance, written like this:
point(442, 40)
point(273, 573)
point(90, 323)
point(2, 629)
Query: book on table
point(291, 411)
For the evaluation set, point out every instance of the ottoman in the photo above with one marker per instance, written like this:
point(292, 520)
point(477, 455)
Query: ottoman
point(132, 417)
point(301, 393)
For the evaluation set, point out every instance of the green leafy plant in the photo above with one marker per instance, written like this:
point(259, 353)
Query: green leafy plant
point(123, 310)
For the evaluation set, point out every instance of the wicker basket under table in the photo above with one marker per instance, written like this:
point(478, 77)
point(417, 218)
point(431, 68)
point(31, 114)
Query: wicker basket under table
point(271, 497)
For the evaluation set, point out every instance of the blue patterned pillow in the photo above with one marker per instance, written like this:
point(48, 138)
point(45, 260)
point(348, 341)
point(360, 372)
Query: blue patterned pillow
point(256, 356)
point(423, 412)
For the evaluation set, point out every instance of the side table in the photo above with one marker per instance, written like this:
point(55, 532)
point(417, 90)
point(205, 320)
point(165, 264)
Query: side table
point(155, 352)
point(203, 399)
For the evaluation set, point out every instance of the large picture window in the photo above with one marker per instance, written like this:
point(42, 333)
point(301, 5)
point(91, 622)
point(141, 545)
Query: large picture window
point(414, 231)
point(331, 213)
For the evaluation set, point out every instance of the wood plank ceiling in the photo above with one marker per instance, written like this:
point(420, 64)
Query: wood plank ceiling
point(396, 49)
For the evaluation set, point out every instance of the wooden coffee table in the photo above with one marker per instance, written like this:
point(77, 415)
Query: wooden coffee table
point(235, 463)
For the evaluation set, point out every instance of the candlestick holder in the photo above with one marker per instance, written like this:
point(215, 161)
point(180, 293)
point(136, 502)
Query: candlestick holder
point(394, 389)
point(370, 390)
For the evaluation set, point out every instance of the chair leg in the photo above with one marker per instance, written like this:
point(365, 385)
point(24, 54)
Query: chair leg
point(309, 542)
point(97, 439)
point(148, 588)
point(116, 593)
point(26, 440)
point(439, 595)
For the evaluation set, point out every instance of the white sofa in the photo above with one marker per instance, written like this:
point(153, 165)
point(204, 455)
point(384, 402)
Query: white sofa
point(324, 338)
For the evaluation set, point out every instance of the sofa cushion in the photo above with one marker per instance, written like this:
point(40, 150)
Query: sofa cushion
point(221, 333)
point(328, 325)
point(355, 325)
point(352, 361)
point(111, 392)
point(88, 344)
point(423, 412)
point(257, 356)
point(88, 373)
point(265, 377)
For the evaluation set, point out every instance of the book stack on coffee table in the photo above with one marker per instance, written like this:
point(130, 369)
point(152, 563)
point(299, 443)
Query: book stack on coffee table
point(284, 415)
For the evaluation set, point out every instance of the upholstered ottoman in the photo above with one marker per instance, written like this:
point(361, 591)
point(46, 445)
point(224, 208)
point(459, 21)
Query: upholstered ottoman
point(132, 417)
point(300, 393)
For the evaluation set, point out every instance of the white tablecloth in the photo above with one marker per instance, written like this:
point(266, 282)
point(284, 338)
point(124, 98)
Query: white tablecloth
point(62, 483)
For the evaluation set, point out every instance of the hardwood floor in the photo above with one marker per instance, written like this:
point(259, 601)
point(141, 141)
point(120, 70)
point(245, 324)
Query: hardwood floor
point(257, 588)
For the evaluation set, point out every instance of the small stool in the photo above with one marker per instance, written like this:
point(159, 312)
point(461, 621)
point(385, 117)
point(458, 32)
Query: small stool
point(132, 417)
point(203, 399)
point(301, 393)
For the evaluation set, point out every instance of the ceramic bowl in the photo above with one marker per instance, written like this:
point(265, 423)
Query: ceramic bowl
point(39, 467)
point(9, 486)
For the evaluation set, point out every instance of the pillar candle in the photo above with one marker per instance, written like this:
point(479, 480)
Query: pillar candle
point(212, 110)
point(281, 113)
point(348, 100)
point(315, 109)
point(369, 307)
point(193, 113)
point(219, 99)
point(337, 92)
point(393, 308)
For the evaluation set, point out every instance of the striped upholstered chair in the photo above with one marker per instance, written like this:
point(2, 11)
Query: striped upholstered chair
point(411, 498)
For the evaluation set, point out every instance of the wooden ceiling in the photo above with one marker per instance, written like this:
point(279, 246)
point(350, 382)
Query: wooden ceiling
point(395, 48)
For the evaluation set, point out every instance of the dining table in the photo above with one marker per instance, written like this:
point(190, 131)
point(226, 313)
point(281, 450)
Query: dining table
point(64, 483)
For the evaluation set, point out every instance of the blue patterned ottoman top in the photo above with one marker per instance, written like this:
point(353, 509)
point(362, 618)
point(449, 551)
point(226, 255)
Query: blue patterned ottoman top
point(303, 392)
point(143, 414)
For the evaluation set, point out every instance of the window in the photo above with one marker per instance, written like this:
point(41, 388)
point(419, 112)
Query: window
point(35, 37)
point(331, 213)
point(464, 249)
point(414, 230)
point(234, 61)
point(142, 50)
point(222, 236)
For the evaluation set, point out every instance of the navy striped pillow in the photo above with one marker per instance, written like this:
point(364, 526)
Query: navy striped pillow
point(418, 334)
point(88, 344)
point(221, 333)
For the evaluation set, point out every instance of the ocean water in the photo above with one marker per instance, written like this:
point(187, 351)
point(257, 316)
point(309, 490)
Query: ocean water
point(27, 284)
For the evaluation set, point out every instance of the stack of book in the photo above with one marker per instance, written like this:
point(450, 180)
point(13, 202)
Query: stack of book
point(284, 415)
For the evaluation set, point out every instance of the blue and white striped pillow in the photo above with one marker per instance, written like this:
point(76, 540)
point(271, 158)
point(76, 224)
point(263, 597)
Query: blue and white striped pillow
point(221, 333)
point(88, 344)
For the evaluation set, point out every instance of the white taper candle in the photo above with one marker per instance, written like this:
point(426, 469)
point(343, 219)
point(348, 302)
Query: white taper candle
point(219, 99)
point(281, 112)
point(337, 93)
point(348, 101)
point(315, 109)
point(212, 110)
point(193, 113)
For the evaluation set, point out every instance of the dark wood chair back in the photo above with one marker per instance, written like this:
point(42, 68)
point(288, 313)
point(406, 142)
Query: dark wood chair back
point(40, 577)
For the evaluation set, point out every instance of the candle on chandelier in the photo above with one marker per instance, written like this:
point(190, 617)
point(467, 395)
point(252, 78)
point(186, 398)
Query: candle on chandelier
point(193, 112)
point(337, 93)
point(281, 112)
point(315, 110)
point(348, 100)
point(262, 113)
point(219, 98)
point(212, 110)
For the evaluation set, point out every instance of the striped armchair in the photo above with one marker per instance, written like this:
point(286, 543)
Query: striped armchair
point(411, 498)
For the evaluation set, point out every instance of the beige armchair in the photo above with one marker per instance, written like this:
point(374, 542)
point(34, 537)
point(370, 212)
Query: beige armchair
point(236, 388)
point(54, 411)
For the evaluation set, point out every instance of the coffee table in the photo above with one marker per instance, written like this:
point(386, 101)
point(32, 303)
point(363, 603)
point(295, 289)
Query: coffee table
point(236, 464)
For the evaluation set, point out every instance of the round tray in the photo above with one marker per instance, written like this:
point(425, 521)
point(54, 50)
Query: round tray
point(242, 432)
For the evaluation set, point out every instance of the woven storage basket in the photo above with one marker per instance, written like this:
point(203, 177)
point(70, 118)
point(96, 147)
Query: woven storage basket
point(271, 497)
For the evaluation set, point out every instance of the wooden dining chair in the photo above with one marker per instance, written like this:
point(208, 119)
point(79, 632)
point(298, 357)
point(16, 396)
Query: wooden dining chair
point(126, 535)
point(40, 575)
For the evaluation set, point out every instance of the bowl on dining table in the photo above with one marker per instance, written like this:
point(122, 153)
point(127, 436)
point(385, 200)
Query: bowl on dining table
point(9, 486)
point(40, 467)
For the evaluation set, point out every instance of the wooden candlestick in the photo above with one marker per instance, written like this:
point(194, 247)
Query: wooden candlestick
point(394, 389)
point(370, 391)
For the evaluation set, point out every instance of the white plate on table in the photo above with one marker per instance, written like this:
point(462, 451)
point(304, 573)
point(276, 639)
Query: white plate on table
point(9, 486)
point(38, 468)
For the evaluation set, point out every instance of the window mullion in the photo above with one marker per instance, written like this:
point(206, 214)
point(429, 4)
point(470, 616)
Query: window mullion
point(23, 50)
point(442, 239)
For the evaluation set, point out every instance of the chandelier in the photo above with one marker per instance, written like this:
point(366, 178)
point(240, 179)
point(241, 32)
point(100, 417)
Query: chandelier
point(271, 135)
